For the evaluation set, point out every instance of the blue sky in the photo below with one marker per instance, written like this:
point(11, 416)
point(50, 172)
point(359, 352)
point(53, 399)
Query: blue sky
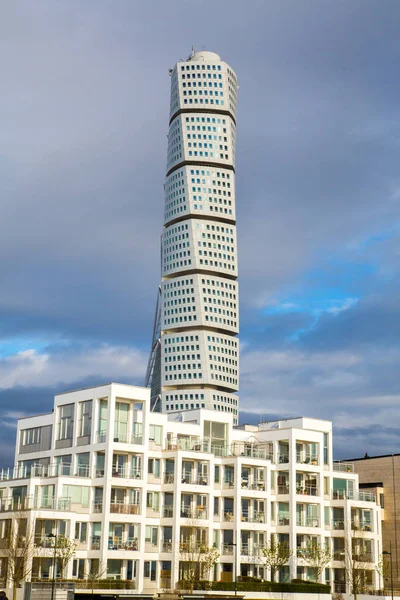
point(84, 118)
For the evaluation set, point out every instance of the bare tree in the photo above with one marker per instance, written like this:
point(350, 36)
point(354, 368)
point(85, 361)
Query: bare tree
point(357, 561)
point(317, 556)
point(383, 569)
point(18, 550)
point(96, 572)
point(276, 554)
point(197, 558)
point(65, 550)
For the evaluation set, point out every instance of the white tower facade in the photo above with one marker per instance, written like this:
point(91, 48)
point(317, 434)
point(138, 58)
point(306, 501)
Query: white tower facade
point(195, 353)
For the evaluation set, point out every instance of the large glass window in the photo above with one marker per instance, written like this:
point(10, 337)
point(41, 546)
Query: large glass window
point(85, 422)
point(155, 434)
point(326, 452)
point(66, 422)
point(31, 436)
point(121, 421)
point(78, 494)
point(103, 416)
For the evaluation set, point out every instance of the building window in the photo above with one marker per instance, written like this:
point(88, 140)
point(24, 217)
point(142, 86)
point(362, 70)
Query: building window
point(66, 422)
point(326, 454)
point(31, 436)
point(85, 422)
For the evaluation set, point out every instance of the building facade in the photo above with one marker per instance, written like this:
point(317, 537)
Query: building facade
point(138, 490)
point(381, 476)
point(194, 361)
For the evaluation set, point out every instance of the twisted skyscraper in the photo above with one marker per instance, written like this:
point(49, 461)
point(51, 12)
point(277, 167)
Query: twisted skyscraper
point(194, 360)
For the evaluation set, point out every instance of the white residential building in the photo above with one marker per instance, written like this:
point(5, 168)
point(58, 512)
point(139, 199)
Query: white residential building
point(133, 487)
point(194, 361)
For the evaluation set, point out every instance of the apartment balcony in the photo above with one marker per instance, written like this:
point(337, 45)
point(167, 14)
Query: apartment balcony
point(41, 471)
point(255, 485)
point(42, 541)
point(128, 438)
point(339, 555)
point(283, 490)
point(303, 459)
point(283, 519)
point(188, 478)
point(166, 546)
point(343, 467)
point(305, 521)
point(228, 516)
point(253, 517)
point(168, 512)
point(169, 478)
point(228, 484)
point(283, 459)
point(363, 557)
point(250, 550)
point(124, 508)
point(95, 543)
point(307, 490)
point(338, 524)
point(227, 549)
point(365, 497)
point(127, 473)
point(194, 513)
point(119, 543)
point(29, 503)
point(358, 525)
point(97, 507)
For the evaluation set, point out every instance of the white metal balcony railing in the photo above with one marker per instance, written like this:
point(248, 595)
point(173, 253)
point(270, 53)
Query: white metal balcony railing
point(169, 478)
point(283, 489)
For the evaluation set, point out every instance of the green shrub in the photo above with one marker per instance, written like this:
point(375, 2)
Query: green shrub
point(257, 586)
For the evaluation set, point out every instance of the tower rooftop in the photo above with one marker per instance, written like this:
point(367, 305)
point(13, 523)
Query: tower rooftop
point(205, 55)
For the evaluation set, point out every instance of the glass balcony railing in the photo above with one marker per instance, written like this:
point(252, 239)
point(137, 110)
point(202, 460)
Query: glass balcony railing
point(343, 467)
point(120, 543)
point(306, 521)
point(124, 508)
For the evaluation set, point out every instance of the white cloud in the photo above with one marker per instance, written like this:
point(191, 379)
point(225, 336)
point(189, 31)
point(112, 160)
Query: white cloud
point(33, 368)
